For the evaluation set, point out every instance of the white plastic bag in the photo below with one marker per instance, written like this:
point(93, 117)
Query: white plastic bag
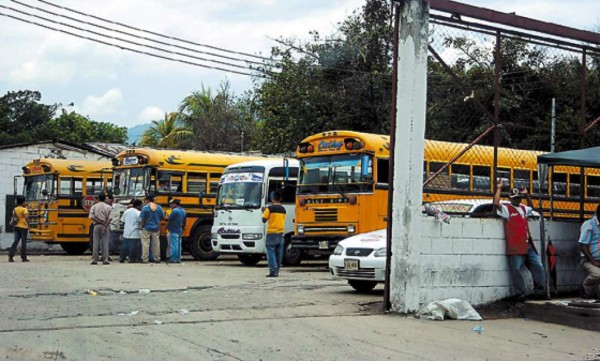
point(453, 308)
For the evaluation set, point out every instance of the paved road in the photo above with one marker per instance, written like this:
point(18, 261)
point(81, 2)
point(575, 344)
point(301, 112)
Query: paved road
point(61, 308)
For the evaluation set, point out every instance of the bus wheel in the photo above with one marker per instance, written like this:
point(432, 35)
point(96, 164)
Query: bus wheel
point(74, 248)
point(291, 256)
point(250, 259)
point(362, 286)
point(201, 246)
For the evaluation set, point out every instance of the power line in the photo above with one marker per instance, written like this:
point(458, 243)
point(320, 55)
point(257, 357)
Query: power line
point(126, 48)
point(125, 40)
point(152, 32)
point(134, 35)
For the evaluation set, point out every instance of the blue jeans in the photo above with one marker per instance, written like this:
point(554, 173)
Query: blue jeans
point(274, 252)
point(533, 261)
point(131, 247)
point(20, 234)
point(175, 245)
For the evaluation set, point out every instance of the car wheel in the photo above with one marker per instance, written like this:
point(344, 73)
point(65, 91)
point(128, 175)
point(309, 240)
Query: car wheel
point(291, 256)
point(362, 286)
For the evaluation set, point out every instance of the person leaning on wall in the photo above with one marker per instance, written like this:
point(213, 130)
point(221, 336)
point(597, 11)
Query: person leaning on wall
point(589, 244)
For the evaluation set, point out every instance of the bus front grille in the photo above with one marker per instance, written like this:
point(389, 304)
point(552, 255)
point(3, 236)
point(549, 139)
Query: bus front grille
point(326, 215)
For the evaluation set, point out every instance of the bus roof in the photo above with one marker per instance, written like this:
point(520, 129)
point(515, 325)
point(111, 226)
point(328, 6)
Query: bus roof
point(165, 158)
point(63, 167)
point(378, 143)
point(267, 163)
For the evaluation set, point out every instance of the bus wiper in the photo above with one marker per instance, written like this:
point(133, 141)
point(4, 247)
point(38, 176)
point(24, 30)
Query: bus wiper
point(339, 187)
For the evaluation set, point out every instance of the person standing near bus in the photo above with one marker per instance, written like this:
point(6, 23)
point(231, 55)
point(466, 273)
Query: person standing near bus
point(101, 214)
point(589, 244)
point(175, 225)
point(20, 230)
point(131, 233)
point(274, 216)
point(520, 248)
point(151, 216)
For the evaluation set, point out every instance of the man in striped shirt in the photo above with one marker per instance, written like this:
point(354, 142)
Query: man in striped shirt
point(274, 216)
point(589, 243)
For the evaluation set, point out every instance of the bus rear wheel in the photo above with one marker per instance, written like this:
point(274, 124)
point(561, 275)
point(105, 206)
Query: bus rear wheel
point(74, 248)
point(200, 244)
point(250, 259)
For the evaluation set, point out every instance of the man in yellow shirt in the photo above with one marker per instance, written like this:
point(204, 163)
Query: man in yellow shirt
point(274, 216)
point(20, 230)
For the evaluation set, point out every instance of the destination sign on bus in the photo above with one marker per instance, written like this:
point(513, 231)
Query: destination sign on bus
point(326, 200)
point(130, 161)
point(333, 144)
point(242, 177)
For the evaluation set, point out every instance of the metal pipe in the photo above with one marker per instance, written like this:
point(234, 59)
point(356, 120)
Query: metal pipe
point(497, 68)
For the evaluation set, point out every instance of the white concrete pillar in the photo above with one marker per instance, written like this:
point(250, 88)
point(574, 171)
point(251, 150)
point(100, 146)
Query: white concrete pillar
point(408, 155)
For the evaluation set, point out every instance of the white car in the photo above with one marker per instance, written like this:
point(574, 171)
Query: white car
point(360, 259)
point(474, 208)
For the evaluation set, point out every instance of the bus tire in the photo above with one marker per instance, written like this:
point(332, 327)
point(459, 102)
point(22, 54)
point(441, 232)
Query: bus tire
point(74, 248)
point(250, 259)
point(200, 244)
point(362, 286)
point(291, 256)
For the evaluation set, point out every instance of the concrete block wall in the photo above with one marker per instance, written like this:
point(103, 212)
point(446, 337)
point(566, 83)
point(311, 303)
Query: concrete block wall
point(466, 258)
point(11, 161)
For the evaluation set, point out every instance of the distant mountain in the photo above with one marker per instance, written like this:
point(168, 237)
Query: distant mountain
point(135, 133)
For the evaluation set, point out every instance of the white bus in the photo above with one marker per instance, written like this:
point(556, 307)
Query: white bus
point(243, 193)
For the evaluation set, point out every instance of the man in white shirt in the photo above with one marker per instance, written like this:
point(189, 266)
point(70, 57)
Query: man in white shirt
point(132, 245)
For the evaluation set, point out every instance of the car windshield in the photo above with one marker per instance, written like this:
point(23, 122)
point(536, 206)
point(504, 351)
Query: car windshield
point(128, 182)
point(240, 190)
point(35, 185)
point(336, 174)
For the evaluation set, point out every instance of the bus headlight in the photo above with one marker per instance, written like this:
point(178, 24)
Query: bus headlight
point(252, 236)
point(300, 229)
point(351, 228)
point(338, 250)
point(382, 252)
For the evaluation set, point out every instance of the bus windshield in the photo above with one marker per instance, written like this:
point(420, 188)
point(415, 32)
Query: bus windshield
point(34, 187)
point(336, 174)
point(128, 182)
point(240, 190)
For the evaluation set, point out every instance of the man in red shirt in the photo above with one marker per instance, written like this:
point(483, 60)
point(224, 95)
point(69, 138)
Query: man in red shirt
point(520, 248)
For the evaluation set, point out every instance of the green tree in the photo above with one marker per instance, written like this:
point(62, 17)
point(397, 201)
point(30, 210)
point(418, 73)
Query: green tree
point(169, 132)
point(74, 127)
point(219, 122)
point(340, 81)
point(22, 115)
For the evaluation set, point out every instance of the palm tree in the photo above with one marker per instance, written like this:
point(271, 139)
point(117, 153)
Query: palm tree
point(170, 132)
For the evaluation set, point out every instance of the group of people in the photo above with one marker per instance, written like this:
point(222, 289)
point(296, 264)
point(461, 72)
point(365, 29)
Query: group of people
point(521, 249)
point(141, 233)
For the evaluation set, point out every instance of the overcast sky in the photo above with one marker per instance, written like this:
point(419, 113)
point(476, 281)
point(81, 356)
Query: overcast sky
point(126, 88)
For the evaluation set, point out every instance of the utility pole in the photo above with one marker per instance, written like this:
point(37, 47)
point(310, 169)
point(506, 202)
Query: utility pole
point(553, 128)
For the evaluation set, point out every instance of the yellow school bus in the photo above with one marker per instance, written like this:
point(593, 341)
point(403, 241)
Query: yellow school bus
point(190, 176)
point(59, 194)
point(343, 183)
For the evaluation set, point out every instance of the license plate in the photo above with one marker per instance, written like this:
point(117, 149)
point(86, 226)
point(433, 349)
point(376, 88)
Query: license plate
point(323, 245)
point(351, 264)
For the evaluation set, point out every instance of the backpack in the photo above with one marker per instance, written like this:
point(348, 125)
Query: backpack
point(14, 219)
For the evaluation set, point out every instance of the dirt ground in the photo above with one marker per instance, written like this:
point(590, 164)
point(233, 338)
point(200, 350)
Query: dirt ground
point(59, 307)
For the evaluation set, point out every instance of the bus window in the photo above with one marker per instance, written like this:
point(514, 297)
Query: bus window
point(481, 178)
point(214, 182)
point(521, 178)
point(77, 186)
point(442, 181)
point(593, 186)
point(574, 185)
point(170, 182)
point(461, 176)
point(536, 184)
point(504, 174)
point(93, 186)
point(559, 184)
point(286, 188)
point(383, 170)
point(65, 187)
point(196, 183)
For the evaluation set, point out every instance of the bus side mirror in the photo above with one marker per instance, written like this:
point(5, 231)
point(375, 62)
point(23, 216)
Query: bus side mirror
point(44, 192)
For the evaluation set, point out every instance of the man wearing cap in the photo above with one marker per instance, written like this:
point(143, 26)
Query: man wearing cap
point(150, 218)
point(175, 225)
point(520, 248)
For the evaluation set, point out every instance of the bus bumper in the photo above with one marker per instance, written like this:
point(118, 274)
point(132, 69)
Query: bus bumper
point(316, 244)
